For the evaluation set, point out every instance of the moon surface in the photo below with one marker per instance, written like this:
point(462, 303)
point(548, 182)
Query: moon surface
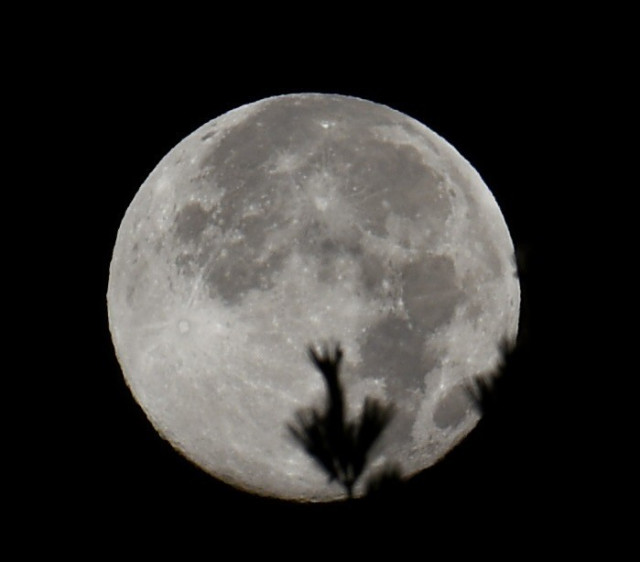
point(297, 220)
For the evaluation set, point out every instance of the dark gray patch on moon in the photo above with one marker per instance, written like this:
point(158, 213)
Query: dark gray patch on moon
point(400, 174)
point(430, 291)
point(240, 157)
point(190, 222)
point(241, 231)
point(392, 350)
point(452, 409)
point(327, 252)
point(373, 271)
point(318, 241)
point(230, 267)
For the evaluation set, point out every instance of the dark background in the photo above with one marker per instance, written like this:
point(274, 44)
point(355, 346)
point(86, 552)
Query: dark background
point(514, 111)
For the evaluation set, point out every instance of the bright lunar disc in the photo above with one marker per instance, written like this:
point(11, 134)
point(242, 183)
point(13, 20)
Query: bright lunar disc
point(296, 220)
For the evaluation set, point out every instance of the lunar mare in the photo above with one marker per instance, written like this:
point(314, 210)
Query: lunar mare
point(295, 220)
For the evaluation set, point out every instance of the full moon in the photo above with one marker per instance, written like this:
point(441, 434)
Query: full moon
point(297, 220)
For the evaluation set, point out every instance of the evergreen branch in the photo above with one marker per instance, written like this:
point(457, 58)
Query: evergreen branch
point(340, 447)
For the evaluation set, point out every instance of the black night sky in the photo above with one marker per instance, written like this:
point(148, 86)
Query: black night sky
point(516, 475)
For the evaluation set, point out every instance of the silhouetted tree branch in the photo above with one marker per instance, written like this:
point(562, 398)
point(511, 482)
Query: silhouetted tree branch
point(340, 446)
point(484, 390)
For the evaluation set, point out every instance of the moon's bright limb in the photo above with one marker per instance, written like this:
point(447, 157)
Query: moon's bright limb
point(295, 220)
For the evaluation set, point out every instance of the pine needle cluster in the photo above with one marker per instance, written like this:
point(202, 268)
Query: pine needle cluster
point(339, 445)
